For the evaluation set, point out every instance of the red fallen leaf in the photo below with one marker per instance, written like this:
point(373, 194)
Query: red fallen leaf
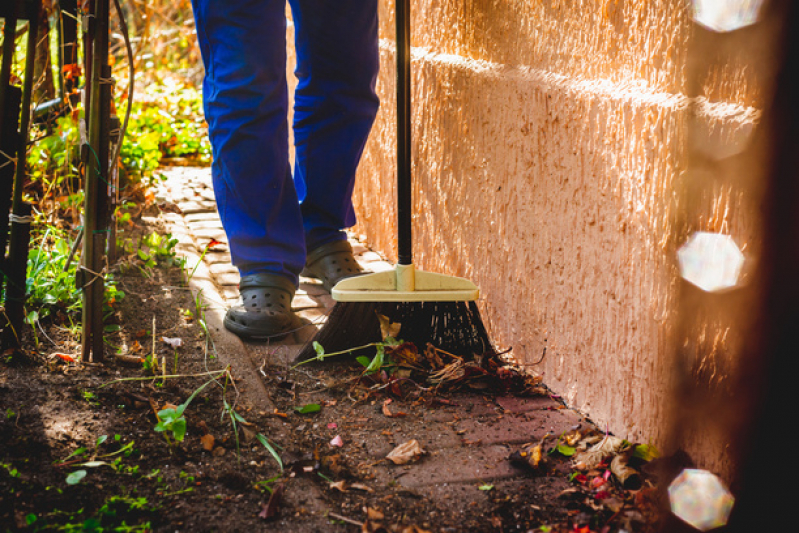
point(580, 478)
point(602, 495)
point(272, 507)
point(65, 357)
point(212, 243)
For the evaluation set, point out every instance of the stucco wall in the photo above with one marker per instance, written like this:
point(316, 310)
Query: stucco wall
point(548, 138)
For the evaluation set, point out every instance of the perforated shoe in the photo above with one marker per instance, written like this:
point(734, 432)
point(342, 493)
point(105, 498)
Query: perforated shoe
point(265, 309)
point(331, 263)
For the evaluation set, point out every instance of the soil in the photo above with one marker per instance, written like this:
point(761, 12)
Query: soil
point(221, 477)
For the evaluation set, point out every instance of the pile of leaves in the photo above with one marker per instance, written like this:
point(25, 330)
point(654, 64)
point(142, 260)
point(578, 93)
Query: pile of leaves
point(401, 369)
point(613, 480)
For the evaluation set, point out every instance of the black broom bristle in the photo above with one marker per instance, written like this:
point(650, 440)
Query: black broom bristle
point(455, 327)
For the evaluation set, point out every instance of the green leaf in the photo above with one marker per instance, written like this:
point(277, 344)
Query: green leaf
point(566, 451)
point(30, 519)
point(167, 416)
point(486, 487)
point(79, 451)
point(75, 477)
point(263, 440)
point(377, 362)
point(365, 361)
point(308, 408)
point(179, 429)
point(320, 351)
point(646, 452)
point(101, 439)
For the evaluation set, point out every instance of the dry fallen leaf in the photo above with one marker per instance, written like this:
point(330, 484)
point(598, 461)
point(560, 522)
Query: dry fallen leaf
point(207, 442)
point(374, 514)
point(388, 412)
point(339, 485)
point(608, 446)
point(387, 327)
point(272, 507)
point(405, 453)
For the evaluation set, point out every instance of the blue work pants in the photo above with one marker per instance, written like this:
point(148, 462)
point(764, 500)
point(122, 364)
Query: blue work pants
point(270, 218)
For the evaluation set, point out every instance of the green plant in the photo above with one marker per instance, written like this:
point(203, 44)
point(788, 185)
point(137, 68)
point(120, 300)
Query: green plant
point(156, 249)
point(172, 421)
point(271, 449)
point(13, 472)
point(51, 276)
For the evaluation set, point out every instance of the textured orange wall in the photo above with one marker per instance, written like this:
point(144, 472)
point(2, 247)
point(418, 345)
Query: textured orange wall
point(547, 140)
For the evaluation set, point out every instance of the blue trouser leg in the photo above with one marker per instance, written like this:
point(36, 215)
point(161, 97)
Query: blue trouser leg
point(246, 104)
point(334, 107)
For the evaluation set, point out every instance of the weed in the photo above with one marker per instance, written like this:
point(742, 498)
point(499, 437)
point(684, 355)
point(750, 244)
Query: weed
point(172, 421)
point(266, 484)
point(159, 250)
point(13, 472)
point(90, 397)
point(263, 440)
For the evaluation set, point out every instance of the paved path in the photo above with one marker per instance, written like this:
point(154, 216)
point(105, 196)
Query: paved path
point(491, 427)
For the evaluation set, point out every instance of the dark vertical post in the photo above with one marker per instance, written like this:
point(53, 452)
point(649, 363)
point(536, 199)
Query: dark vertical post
point(96, 180)
point(9, 38)
point(16, 265)
point(404, 196)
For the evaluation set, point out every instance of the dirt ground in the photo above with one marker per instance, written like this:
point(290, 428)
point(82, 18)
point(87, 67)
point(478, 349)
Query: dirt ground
point(60, 418)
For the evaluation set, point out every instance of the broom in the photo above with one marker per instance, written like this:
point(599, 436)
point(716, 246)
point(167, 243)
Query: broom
point(430, 307)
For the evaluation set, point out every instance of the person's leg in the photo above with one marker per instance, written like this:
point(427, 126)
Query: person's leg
point(243, 44)
point(334, 108)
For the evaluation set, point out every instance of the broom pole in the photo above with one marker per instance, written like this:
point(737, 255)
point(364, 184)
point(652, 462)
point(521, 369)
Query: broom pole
point(404, 235)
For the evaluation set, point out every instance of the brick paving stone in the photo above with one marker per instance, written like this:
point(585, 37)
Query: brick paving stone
point(185, 248)
point(377, 266)
point(192, 206)
point(229, 293)
point(218, 269)
point(502, 429)
point(369, 257)
point(457, 465)
point(209, 233)
point(191, 218)
point(513, 404)
point(303, 301)
point(213, 257)
point(311, 286)
point(210, 223)
point(230, 279)
point(207, 193)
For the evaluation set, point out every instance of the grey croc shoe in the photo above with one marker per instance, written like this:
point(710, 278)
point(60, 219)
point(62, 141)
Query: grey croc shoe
point(331, 263)
point(265, 309)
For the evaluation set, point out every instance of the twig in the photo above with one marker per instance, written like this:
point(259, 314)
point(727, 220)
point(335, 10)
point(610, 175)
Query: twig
point(165, 376)
point(345, 519)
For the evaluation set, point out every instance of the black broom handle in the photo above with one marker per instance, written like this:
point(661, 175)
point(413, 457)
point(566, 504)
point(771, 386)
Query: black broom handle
point(404, 238)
